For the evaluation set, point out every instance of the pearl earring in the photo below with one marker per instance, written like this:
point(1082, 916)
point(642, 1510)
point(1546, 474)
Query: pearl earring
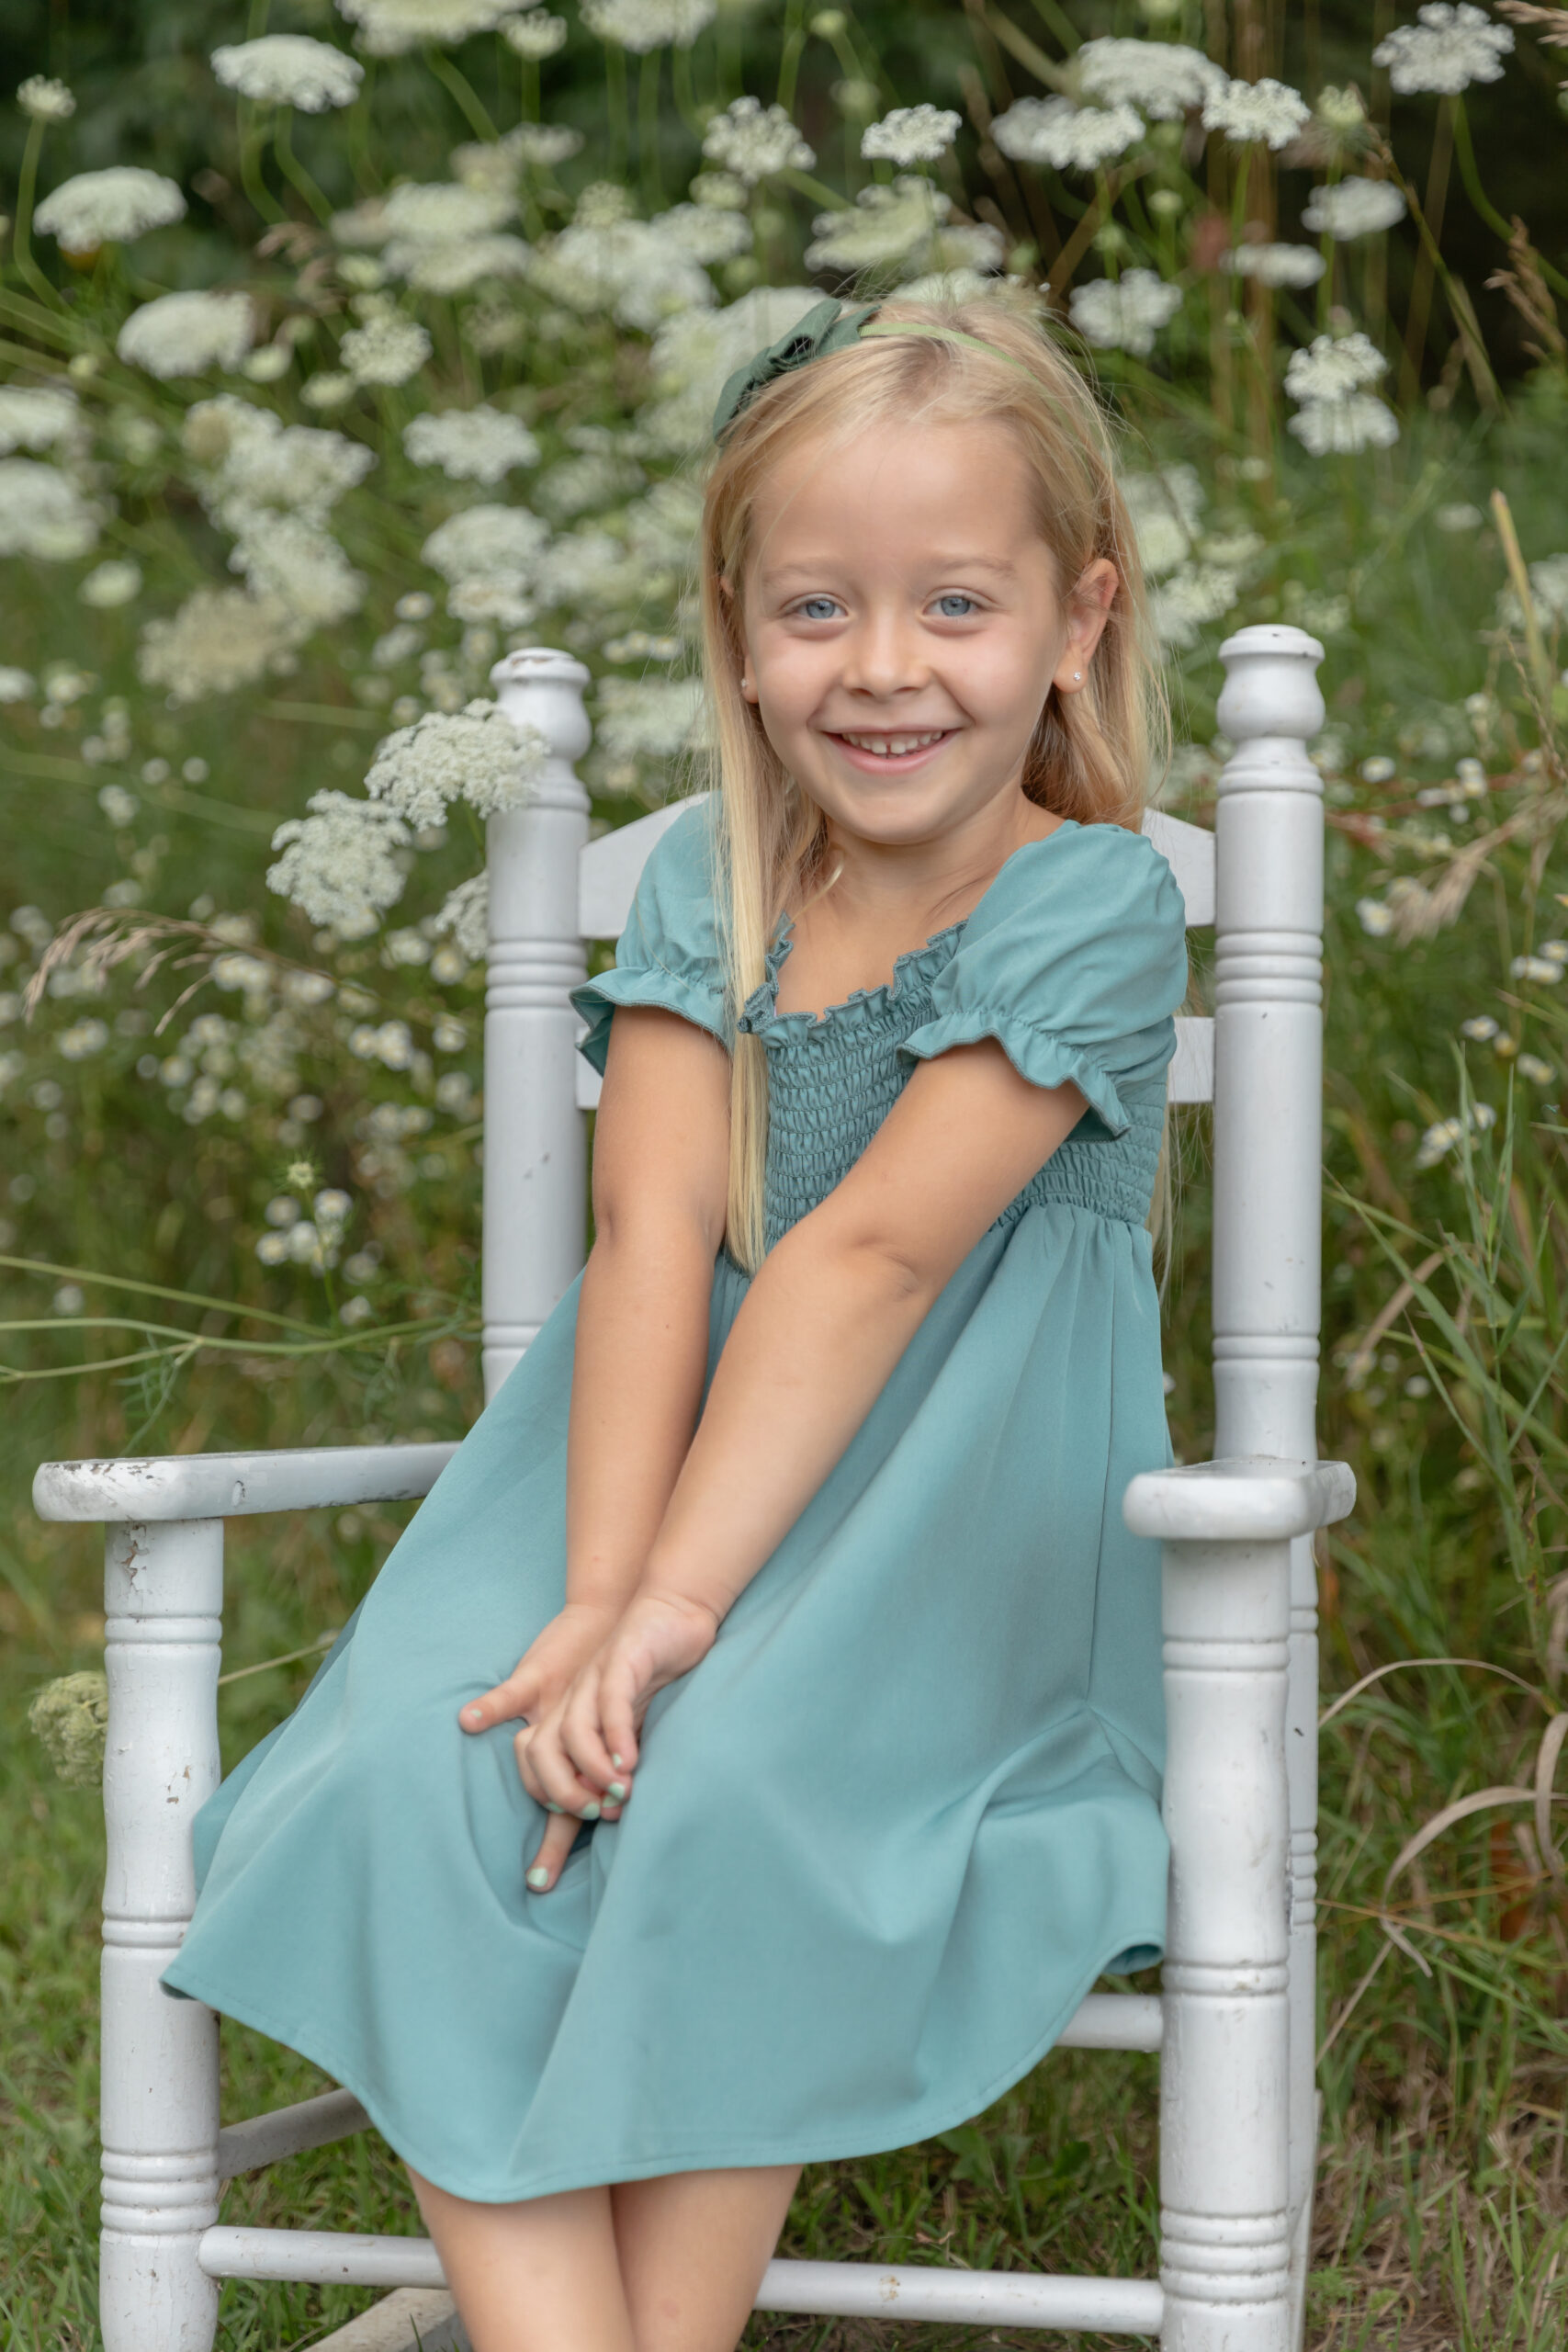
point(1078, 677)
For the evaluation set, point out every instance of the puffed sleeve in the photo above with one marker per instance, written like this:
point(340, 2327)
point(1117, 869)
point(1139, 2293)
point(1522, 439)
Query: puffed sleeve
point(667, 954)
point(1075, 960)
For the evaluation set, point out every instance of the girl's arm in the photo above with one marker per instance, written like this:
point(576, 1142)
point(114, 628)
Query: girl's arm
point(831, 1310)
point(660, 1150)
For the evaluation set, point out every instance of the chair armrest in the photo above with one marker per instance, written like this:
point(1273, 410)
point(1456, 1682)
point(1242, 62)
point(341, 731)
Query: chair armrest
point(1255, 1500)
point(226, 1486)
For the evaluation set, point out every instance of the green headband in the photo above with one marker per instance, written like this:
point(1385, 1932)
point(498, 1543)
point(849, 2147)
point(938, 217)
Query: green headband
point(825, 328)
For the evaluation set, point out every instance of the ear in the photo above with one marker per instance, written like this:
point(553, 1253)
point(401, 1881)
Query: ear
point(1094, 592)
point(747, 683)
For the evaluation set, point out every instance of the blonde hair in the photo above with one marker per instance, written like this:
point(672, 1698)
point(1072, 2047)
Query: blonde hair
point(1090, 754)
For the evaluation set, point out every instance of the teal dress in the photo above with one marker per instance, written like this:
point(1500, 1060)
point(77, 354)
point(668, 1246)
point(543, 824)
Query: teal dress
point(885, 1837)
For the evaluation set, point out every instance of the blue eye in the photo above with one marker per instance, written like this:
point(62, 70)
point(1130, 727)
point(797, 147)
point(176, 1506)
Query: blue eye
point(955, 597)
point(804, 609)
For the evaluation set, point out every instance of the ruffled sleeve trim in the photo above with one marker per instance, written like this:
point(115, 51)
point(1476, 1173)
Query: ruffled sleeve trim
point(1036, 1054)
point(649, 984)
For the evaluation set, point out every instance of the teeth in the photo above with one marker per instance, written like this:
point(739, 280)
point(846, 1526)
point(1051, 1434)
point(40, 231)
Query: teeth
point(892, 746)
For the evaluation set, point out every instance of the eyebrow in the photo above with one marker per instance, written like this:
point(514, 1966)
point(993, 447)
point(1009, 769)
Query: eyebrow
point(940, 562)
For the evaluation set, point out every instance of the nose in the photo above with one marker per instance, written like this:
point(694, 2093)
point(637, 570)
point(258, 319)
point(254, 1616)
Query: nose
point(883, 655)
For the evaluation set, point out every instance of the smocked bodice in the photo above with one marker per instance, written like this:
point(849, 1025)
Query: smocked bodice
point(832, 1080)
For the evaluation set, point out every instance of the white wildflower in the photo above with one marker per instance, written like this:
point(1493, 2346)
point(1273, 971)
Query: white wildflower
point(1354, 207)
point(910, 135)
point(544, 144)
point(644, 25)
point(36, 417)
point(884, 224)
point(754, 141)
point(43, 514)
point(661, 529)
point(269, 364)
point(17, 686)
point(946, 286)
point(467, 916)
point(705, 231)
point(1375, 917)
point(1330, 367)
point(693, 351)
point(1340, 106)
point(453, 264)
point(1162, 79)
point(1276, 265)
point(1539, 1072)
point(536, 36)
point(439, 210)
point(391, 28)
point(1445, 51)
point(1438, 1141)
point(470, 445)
point(285, 558)
point(46, 100)
point(289, 70)
point(1165, 510)
point(1068, 138)
point(1248, 112)
point(386, 350)
point(363, 224)
point(186, 335)
point(1125, 313)
point(253, 464)
point(475, 754)
point(111, 583)
point(964, 246)
point(109, 207)
point(1460, 515)
point(1480, 1029)
point(1546, 969)
point(623, 267)
point(218, 640)
point(339, 863)
point(589, 569)
point(489, 556)
point(1344, 427)
point(653, 717)
point(82, 1039)
point(1188, 599)
point(328, 390)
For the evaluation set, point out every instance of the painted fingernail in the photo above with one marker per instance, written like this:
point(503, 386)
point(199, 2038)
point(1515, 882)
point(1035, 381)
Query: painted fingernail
point(551, 1806)
point(589, 1812)
point(615, 1791)
point(615, 1758)
point(538, 1875)
point(475, 1713)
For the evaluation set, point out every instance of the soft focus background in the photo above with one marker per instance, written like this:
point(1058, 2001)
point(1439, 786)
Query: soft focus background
point(341, 349)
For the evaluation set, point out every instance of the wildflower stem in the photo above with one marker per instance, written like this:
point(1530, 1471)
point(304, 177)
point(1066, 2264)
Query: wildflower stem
point(293, 170)
point(1428, 259)
point(1465, 149)
point(617, 108)
point(1535, 644)
point(647, 81)
point(250, 177)
point(21, 237)
point(680, 85)
point(462, 89)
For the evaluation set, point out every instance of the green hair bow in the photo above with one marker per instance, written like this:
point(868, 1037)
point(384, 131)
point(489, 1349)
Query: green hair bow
point(825, 327)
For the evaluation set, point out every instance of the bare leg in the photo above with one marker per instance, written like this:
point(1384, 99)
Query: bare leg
point(693, 2246)
point(542, 2275)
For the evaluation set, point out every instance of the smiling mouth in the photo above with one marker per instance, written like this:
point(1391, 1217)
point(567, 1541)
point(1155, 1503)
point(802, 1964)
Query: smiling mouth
point(893, 747)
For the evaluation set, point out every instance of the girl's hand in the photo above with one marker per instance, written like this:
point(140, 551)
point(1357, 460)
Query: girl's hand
point(578, 1758)
point(545, 1669)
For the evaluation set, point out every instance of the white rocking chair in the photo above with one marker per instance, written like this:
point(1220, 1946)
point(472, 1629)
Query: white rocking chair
point(1236, 2021)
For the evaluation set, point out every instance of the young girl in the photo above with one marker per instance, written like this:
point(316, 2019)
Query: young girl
point(751, 1755)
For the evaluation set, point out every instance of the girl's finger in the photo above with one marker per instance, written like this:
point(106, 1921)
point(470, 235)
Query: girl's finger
point(554, 1848)
point(617, 1700)
point(584, 1744)
point(503, 1703)
point(548, 1774)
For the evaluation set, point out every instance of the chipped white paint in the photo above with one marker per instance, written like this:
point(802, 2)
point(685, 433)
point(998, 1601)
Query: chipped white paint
point(1234, 2022)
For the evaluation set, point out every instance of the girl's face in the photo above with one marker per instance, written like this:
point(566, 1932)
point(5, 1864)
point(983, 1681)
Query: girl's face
point(903, 625)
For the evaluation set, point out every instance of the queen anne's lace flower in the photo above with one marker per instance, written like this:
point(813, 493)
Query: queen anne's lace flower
point(250, 461)
point(110, 585)
point(1161, 78)
point(218, 640)
point(1166, 511)
point(386, 349)
point(627, 268)
point(450, 267)
point(43, 513)
point(1188, 599)
point(643, 25)
point(1344, 426)
point(1267, 111)
point(186, 335)
point(1445, 51)
point(489, 556)
point(36, 417)
point(588, 568)
point(1353, 207)
point(754, 141)
point(467, 916)
point(391, 28)
point(695, 351)
point(646, 717)
point(438, 210)
point(470, 445)
point(536, 36)
point(476, 754)
point(884, 224)
point(289, 70)
point(339, 863)
point(1067, 138)
point(109, 207)
point(544, 144)
point(286, 559)
point(17, 686)
point(1276, 265)
point(705, 231)
point(1331, 367)
point(1125, 313)
point(46, 100)
point(910, 135)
